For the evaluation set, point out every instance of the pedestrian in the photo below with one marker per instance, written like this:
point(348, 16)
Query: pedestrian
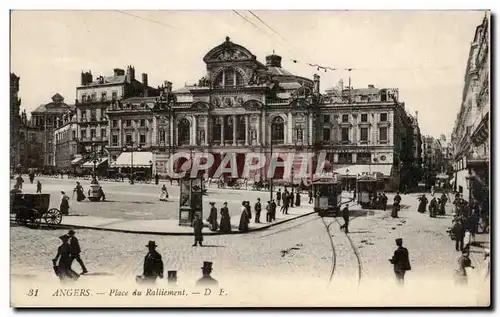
point(310, 194)
point(76, 250)
point(157, 179)
point(172, 277)
point(433, 207)
point(345, 215)
point(401, 261)
point(487, 264)
point(38, 187)
point(212, 218)
point(291, 198)
point(273, 210)
point(207, 279)
point(422, 204)
point(278, 197)
point(20, 181)
point(198, 228)
point(163, 193)
point(63, 268)
point(397, 198)
point(458, 230)
point(225, 220)
point(153, 265)
point(101, 194)
point(249, 209)
point(286, 202)
point(79, 192)
point(268, 212)
point(244, 220)
point(32, 177)
point(384, 202)
point(258, 209)
point(64, 205)
point(463, 263)
point(297, 199)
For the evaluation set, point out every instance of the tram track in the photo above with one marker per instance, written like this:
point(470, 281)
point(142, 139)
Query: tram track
point(290, 227)
point(334, 252)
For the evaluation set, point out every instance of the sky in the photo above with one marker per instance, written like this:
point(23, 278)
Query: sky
point(423, 53)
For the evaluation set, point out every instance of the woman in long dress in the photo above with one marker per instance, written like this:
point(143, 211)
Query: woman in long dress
point(64, 206)
point(212, 218)
point(297, 199)
point(63, 268)
point(79, 192)
point(225, 220)
point(244, 220)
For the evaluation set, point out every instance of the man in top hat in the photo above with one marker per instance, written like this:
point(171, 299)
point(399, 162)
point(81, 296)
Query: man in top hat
point(172, 277)
point(206, 279)
point(153, 264)
point(76, 250)
point(401, 261)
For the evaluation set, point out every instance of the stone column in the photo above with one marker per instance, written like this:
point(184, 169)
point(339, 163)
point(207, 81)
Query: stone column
point(171, 131)
point(194, 131)
point(154, 133)
point(262, 127)
point(222, 129)
point(247, 121)
point(310, 130)
point(289, 130)
point(206, 130)
point(258, 131)
point(235, 122)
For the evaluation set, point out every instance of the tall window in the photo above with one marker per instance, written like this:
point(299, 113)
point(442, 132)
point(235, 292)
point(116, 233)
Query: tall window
point(228, 131)
point(217, 128)
point(383, 117)
point(143, 123)
point(114, 123)
point(114, 140)
point(94, 96)
point(142, 139)
point(184, 132)
point(345, 134)
point(364, 134)
point(92, 133)
point(383, 134)
point(241, 128)
point(103, 133)
point(345, 118)
point(114, 95)
point(326, 118)
point(326, 134)
point(278, 130)
point(128, 139)
point(84, 134)
point(162, 136)
point(74, 135)
point(93, 114)
point(128, 123)
point(364, 117)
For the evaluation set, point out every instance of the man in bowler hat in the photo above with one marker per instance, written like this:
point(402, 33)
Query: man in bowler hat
point(198, 228)
point(153, 265)
point(172, 277)
point(75, 250)
point(401, 261)
point(206, 279)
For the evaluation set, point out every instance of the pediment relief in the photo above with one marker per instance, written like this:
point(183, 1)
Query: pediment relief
point(253, 105)
point(228, 51)
point(199, 105)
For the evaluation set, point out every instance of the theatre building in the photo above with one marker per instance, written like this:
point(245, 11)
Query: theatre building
point(241, 105)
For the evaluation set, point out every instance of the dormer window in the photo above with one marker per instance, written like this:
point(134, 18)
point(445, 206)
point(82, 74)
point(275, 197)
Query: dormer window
point(229, 78)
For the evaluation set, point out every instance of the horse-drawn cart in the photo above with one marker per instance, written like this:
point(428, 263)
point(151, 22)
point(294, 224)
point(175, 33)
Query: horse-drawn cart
point(32, 208)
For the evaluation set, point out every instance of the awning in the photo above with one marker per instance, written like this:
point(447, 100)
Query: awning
point(354, 170)
point(90, 164)
point(77, 160)
point(137, 159)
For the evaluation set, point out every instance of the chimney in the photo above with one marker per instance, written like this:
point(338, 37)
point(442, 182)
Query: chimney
point(130, 74)
point(86, 78)
point(316, 83)
point(273, 61)
point(371, 86)
point(118, 72)
point(145, 79)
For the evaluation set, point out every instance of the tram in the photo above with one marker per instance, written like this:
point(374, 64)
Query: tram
point(366, 189)
point(327, 193)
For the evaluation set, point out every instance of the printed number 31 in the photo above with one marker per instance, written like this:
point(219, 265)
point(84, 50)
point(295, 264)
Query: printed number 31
point(33, 292)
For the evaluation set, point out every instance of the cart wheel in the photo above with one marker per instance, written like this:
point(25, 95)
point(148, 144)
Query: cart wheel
point(53, 217)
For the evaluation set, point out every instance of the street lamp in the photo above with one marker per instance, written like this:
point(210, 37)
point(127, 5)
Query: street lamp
point(347, 179)
point(151, 168)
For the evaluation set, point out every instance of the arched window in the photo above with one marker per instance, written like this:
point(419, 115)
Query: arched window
point(278, 130)
point(228, 78)
point(184, 132)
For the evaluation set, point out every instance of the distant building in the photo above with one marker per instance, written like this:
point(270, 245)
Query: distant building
point(94, 97)
point(31, 144)
point(15, 121)
point(47, 118)
point(66, 142)
point(470, 136)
